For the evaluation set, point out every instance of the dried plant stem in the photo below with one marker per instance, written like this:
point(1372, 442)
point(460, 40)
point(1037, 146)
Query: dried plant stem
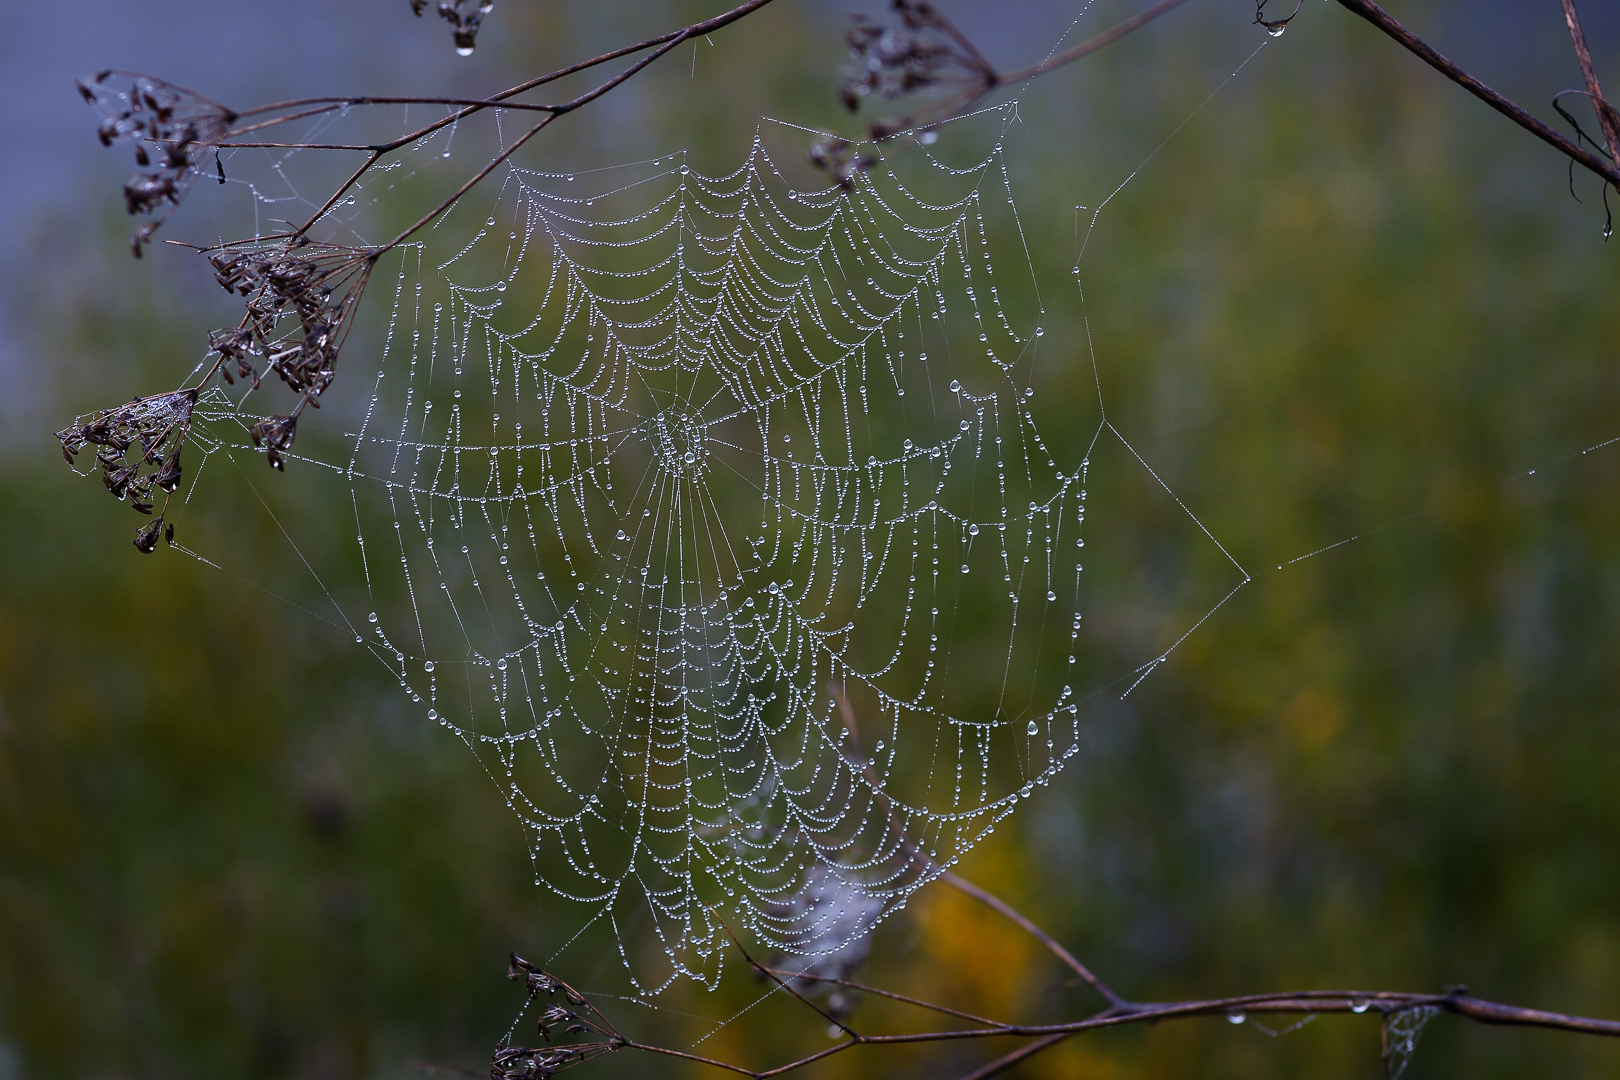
point(955, 881)
point(1382, 1003)
point(1091, 45)
point(992, 900)
point(1608, 120)
point(1386, 22)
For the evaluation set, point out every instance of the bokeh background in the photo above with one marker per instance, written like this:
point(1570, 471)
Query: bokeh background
point(1345, 300)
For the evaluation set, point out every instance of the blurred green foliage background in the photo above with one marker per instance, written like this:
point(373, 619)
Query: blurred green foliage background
point(1343, 301)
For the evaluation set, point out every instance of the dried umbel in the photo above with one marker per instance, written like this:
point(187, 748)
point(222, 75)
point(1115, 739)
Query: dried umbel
point(464, 17)
point(301, 298)
point(923, 53)
point(172, 128)
point(577, 1017)
point(138, 448)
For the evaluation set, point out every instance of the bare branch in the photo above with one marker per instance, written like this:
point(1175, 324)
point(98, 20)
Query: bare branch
point(1608, 118)
point(1036, 932)
point(1091, 45)
point(1431, 56)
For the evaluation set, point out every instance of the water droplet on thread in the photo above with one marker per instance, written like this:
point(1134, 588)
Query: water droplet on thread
point(1236, 1017)
point(428, 667)
point(1032, 728)
point(372, 617)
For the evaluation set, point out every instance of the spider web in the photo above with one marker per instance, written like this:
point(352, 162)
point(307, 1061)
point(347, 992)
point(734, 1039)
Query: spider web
point(717, 517)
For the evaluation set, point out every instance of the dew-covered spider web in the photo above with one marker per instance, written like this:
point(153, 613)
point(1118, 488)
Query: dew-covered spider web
point(727, 523)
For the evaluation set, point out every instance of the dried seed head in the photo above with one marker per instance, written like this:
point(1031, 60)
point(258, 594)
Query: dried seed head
point(464, 17)
point(168, 124)
point(301, 298)
point(924, 53)
point(138, 447)
point(275, 434)
point(146, 540)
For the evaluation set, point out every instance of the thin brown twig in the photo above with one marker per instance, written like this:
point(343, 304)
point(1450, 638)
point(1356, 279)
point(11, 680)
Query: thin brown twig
point(1607, 118)
point(787, 985)
point(1384, 1004)
point(961, 884)
point(1386, 22)
point(1006, 909)
point(880, 992)
point(1090, 45)
point(1008, 1060)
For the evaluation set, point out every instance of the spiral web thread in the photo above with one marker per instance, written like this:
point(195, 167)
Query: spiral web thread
point(715, 515)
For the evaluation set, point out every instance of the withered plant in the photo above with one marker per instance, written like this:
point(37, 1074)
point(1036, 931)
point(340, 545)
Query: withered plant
point(300, 296)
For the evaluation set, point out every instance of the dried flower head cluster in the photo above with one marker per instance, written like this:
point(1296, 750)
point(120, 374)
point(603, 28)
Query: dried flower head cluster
point(924, 53)
point(138, 448)
point(301, 298)
point(171, 129)
point(464, 17)
point(576, 1017)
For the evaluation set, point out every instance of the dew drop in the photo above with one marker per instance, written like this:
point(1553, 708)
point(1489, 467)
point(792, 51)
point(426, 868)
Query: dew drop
point(433, 714)
point(1040, 331)
point(928, 137)
point(1274, 31)
point(462, 50)
point(500, 665)
point(491, 221)
point(1358, 1006)
point(1050, 595)
point(1236, 1017)
point(372, 617)
point(1032, 728)
point(964, 568)
point(428, 667)
point(500, 286)
point(973, 530)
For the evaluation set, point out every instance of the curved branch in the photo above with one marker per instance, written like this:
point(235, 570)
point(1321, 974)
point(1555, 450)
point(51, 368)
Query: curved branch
point(1431, 56)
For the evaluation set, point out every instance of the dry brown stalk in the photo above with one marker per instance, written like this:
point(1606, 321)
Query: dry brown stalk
point(1608, 118)
point(1432, 56)
point(1400, 1013)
